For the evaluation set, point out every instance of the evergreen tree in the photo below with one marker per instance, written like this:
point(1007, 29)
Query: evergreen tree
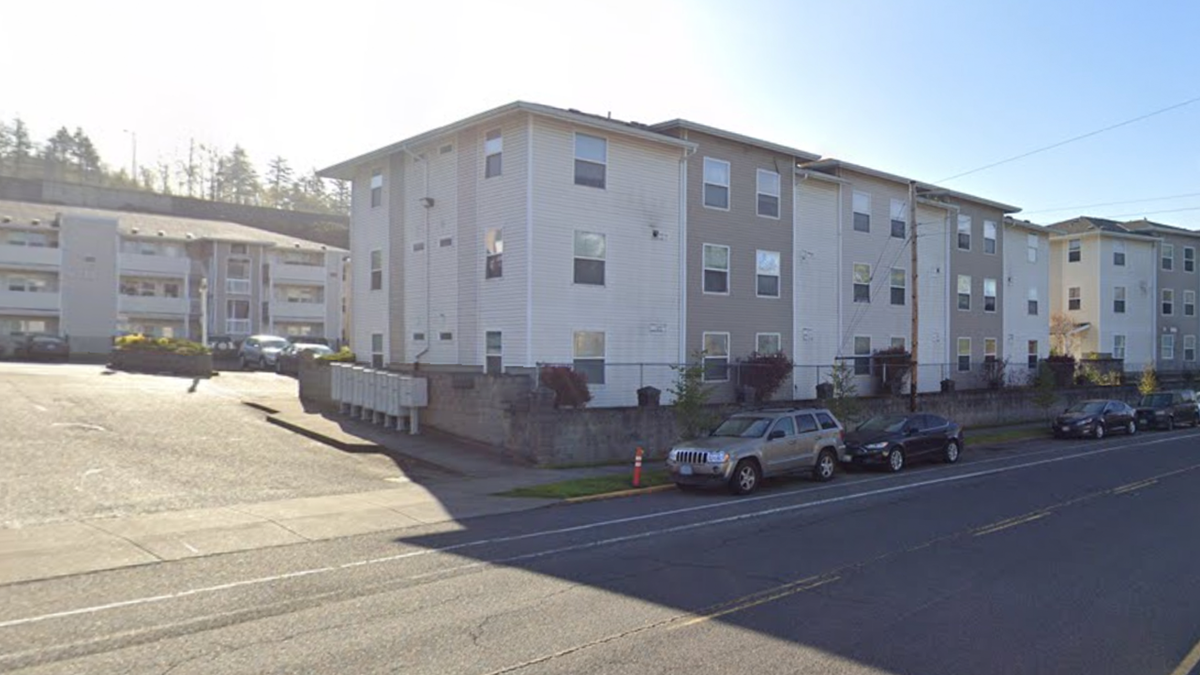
point(240, 178)
point(83, 152)
point(22, 144)
point(279, 181)
point(6, 145)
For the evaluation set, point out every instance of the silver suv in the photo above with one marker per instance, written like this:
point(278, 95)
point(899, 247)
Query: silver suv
point(260, 351)
point(749, 446)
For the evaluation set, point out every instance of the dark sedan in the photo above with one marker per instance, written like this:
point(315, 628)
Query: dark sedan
point(42, 348)
point(288, 361)
point(1165, 409)
point(1095, 417)
point(892, 441)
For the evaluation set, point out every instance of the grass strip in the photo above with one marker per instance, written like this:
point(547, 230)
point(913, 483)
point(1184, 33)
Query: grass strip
point(1025, 434)
point(588, 487)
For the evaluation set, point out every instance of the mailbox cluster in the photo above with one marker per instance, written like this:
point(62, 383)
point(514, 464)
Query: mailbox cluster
point(379, 396)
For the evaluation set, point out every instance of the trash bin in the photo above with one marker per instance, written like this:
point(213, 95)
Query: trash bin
point(824, 390)
point(648, 397)
point(947, 386)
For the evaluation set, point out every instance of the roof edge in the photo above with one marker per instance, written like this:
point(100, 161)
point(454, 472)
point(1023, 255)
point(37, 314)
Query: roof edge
point(680, 123)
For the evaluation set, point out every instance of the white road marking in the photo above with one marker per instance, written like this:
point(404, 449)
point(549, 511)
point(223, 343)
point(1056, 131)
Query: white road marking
point(589, 526)
point(78, 425)
point(41, 408)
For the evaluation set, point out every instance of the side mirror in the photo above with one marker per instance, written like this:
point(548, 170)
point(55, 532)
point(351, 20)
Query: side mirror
point(778, 433)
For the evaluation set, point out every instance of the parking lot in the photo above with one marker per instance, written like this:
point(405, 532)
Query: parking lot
point(77, 441)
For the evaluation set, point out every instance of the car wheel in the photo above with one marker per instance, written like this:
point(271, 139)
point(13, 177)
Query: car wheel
point(825, 467)
point(895, 460)
point(746, 476)
point(1171, 423)
point(952, 452)
point(243, 363)
point(278, 368)
point(1099, 432)
point(1131, 428)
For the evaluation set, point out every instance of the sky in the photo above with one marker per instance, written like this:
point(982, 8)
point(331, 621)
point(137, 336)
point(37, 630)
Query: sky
point(926, 89)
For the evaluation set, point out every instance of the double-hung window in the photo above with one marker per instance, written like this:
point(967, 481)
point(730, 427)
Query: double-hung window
point(376, 269)
point(768, 193)
point(1168, 257)
point(862, 282)
point(1031, 247)
point(716, 183)
point(716, 269)
point(1118, 348)
point(493, 352)
point(899, 279)
point(1119, 253)
point(768, 343)
point(377, 350)
point(989, 237)
point(376, 188)
point(1167, 350)
point(1031, 303)
point(1031, 358)
point(964, 292)
point(1168, 301)
point(862, 355)
point(862, 212)
point(716, 357)
point(1189, 259)
point(964, 233)
point(1189, 303)
point(493, 154)
point(1118, 300)
point(989, 349)
point(1189, 347)
point(899, 219)
point(1074, 250)
point(1074, 298)
point(767, 263)
point(493, 245)
point(588, 352)
point(989, 295)
point(589, 258)
point(591, 161)
point(964, 354)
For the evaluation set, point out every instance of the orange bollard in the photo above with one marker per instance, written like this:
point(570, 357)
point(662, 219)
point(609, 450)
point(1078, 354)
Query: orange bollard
point(637, 468)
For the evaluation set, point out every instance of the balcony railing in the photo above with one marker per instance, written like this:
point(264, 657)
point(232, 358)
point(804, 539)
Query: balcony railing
point(237, 326)
point(237, 286)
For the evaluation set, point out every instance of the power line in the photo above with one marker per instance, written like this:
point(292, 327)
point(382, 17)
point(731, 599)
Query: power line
point(1151, 213)
point(1128, 201)
point(1071, 140)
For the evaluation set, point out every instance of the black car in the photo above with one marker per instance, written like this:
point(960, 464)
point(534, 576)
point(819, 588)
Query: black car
point(1095, 417)
point(42, 348)
point(1165, 409)
point(894, 440)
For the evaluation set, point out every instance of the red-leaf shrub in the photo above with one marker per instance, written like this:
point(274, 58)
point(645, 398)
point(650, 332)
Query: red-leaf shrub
point(765, 373)
point(570, 388)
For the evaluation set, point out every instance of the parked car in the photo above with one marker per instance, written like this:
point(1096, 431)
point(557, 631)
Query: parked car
point(749, 446)
point(1165, 409)
point(308, 340)
point(42, 347)
point(1095, 417)
point(224, 348)
point(259, 351)
point(892, 441)
point(288, 361)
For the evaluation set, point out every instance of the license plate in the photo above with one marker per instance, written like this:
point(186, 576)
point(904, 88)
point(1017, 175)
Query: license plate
point(1066, 428)
point(685, 470)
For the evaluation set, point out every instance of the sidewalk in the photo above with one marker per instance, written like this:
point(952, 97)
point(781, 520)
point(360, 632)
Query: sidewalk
point(454, 482)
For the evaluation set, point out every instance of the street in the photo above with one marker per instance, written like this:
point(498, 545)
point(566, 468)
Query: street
point(1065, 557)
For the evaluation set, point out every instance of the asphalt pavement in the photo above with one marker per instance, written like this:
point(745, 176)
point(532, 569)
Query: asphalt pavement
point(1063, 557)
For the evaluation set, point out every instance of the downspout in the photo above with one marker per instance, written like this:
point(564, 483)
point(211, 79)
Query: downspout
point(683, 252)
point(428, 252)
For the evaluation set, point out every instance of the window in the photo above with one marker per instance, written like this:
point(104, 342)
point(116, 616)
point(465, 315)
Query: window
point(989, 349)
point(1118, 300)
point(376, 188)
point(1074, 298)
point(1168, 257)
point(716, 268)
point(964, 354)
point(989, 237)
point(1074, 251)
point(716, 357)
point(989, 295)
point(1167, 349)
point(1031, 247)
point(418, 337)
point(768, 193)
point(716, 183)
point(964, 292)
point(862, 355)
point(237, 269)
point(493, 151)
point(768, 274)
point(446, 336)
point(1119, 253)
point(589, 258)
point(1032, 302)
point(445, 242)
point(170, 289)
point(786, 425)
point(899, 279)
point(589, 355)
point(493, 352)
point(862, 282)
point(377, 350)
point(1189, 259)
point(1031, 359)
point(239, 249)
point(768, 343)
point(805, 424)
point(862, 212)
point(826, 421)
point(418, 247)
point(964, 233)
point(899, 343)
point(1189, 303)
point(1118, 349)
point(1189, 347)
point(237, 317)
point(899, 219)
point(591, 161)
point(493, 245)
point(1168, 301)
point(376, 270)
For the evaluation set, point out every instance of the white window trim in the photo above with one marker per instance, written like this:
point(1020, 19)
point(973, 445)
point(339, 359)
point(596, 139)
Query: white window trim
point(892, 286)
point(1119, 247)
point(487, 354)
point(728, 355)
point(856, 356)
point(1123, 299)
point(899, 211)
point(1079, 242)
point(1186, 260)
point(993, 238)
point(1162, 347)
point(1163, 301)
point(995, 348)
point(903, 342)
point(854, 282)
point(970, 295)
point(867, 213)
point(575, 154)
point(1163, 258)
point(1114, 346)
point(728, 270)
point(778, 277)
point(1078, 296)
point(958, 230)
point(995, 297)
point(704, 183)
point(758, 191)
point(487, 155)
point(958, 354)
point(575, 256)
point(759, 336)
point(1031, 252)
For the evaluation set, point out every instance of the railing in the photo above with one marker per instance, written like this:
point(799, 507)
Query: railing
point(237, 326)
point(379, 396)
point(237, 286)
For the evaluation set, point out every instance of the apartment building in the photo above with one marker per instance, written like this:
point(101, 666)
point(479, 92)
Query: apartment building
point(522, 236)
point(91, 274)
point(1178, 322)
point(1104, 291)
point(740, 291)
point(1026, 293)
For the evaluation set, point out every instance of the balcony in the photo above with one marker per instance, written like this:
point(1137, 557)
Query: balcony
point(237, 326)
point(30, 256)
point(154, 264)
point(147, 305)
point(309, 274)
point(284, 311)
point(24, 300)
point(237, 286)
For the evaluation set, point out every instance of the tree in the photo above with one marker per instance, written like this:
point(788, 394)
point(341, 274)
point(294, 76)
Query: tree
point(84, 154)
point(1148, 384)
point(6, 144)
point(844, 401)
point(691, 396)
point(22, 145)
point(240, 178)
point(1045, 389)
point(279, 181)
point(765, 373)
point(1063, 338)
point(341, 196)
point(59, 149)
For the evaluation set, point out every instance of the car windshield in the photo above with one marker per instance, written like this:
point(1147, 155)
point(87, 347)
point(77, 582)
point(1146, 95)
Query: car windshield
point(744, 427)
point(1155, 400)
point(889, 423)
point(273, 343)
point(316, 349)
point(1088, 407)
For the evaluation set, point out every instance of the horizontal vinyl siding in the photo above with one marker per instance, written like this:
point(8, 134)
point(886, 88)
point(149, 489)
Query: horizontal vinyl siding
point(369, 230)
point(976, 323)
point(641, 273)
point(933, 350)
point(1020, 275)
point(817, 338)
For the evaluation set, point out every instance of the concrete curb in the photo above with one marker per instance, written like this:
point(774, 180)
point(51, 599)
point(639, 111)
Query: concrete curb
point(322, 438)
point(632, 492)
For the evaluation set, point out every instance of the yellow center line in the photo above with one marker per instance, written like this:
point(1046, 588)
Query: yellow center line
point(1005, 524)
point(1134, 486)
point(756, 601)
point(1185, 666)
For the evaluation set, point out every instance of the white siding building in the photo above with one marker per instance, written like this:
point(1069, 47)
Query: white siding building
point(1026, 298)
point(523, 236)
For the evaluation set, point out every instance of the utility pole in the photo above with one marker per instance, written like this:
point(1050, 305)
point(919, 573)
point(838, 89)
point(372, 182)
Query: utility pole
point(912, 233)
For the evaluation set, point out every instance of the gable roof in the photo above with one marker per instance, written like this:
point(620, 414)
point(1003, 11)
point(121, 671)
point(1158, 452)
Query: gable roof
point(1151, 226)
point(735, 137)
point(1085, 224)
point(345, 169)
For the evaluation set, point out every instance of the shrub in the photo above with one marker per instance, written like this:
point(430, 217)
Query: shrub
point(691, 395)
point(570, 388)
point(141, 343)
point(892, 366)
point(1148, 384)
point(994, 373)
point(844, 401)
point(1063, 367)
point(765, 373)
point(342, 355)
point(1044, 389)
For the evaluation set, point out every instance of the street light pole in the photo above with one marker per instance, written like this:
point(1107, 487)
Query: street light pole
point(204, 311)
point(133, 164)
point(912, 233)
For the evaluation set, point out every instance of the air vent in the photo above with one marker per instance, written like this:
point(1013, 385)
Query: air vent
point(418, 337)
point(418, 247)
point(445, 337)
point(446, 149)
point(446, 241)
